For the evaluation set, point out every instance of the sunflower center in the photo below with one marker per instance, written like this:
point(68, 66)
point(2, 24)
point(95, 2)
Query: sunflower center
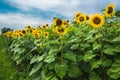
point(46, 34)
point(20, 34)
point(61, 30)
point(29, 27)
point(81, 18)
point(110, 10)
point(23, 31)
point(58, 22)
point(87, 17)
point(96, 20)
point(44, 27)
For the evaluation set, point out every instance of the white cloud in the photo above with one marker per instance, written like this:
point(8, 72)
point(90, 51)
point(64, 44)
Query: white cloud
point(66, 8)
point(19, 21)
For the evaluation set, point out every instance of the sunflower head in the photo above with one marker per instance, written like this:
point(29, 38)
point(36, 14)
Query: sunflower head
point(43, 27)
point(97, 20)
point(36, 33)
point(8, 34)
point(23, 32)
point(46, 34)
point(65, 22)
point(28, 27)
point(77, 15)
point(57, 22)
point(109, 10)
point(87, 17)
point(46, 24)
point(60, 30)
point(117, 13)
point(81, 19)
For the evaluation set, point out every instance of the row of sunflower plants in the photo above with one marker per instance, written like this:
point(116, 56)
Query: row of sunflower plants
point(86, 49)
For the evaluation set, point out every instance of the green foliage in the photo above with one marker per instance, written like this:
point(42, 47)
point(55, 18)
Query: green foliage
point(7, 70)
point(83, 53)
point(61, 69)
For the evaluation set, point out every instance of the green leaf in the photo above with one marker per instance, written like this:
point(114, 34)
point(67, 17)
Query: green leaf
point(50, 58)
point(53, 50)
point(85, 45)
point(34, 48)
point(34, 59)
point(86, 67)
point(49, 76)
point(114, 71)
point(106, 62)
point(61, 69)
point(95, 64)
point(35, 69)
point(96, 46)
point(54, 78)
point(72, 40)
point(79, 57)
point(74, 71)
point(94, 76)
point(88, 56)
point(70, 56)
point(37, 58)
point(98, 36)
point(109, 51)
point(74, 46)
point(117, 39)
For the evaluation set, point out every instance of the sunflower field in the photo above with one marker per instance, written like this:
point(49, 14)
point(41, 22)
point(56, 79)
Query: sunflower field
point(86, 49)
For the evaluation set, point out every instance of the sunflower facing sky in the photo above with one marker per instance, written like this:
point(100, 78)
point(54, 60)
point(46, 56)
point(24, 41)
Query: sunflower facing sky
point(97, 20)
point(109, 10)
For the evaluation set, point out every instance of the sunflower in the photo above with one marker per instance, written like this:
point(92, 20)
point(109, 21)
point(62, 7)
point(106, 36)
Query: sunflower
point(36, 33)
point(77, 15)
point(23, 32)
point(60, 30)
point(46, 25)
point(28, 27)
point(109, 10)
point(57, 22)
point(43, 27)
point(87, 17)
point(66, 24)
point(81, 19)
point(8, 34)
point(97, 20)
point(46, 34)
point(15, 34)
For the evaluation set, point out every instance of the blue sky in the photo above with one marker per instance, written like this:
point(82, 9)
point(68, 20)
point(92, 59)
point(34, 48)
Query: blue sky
point(17, 14)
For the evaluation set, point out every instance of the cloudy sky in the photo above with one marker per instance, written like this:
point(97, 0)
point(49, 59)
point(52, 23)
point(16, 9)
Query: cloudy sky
point(16, 14)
